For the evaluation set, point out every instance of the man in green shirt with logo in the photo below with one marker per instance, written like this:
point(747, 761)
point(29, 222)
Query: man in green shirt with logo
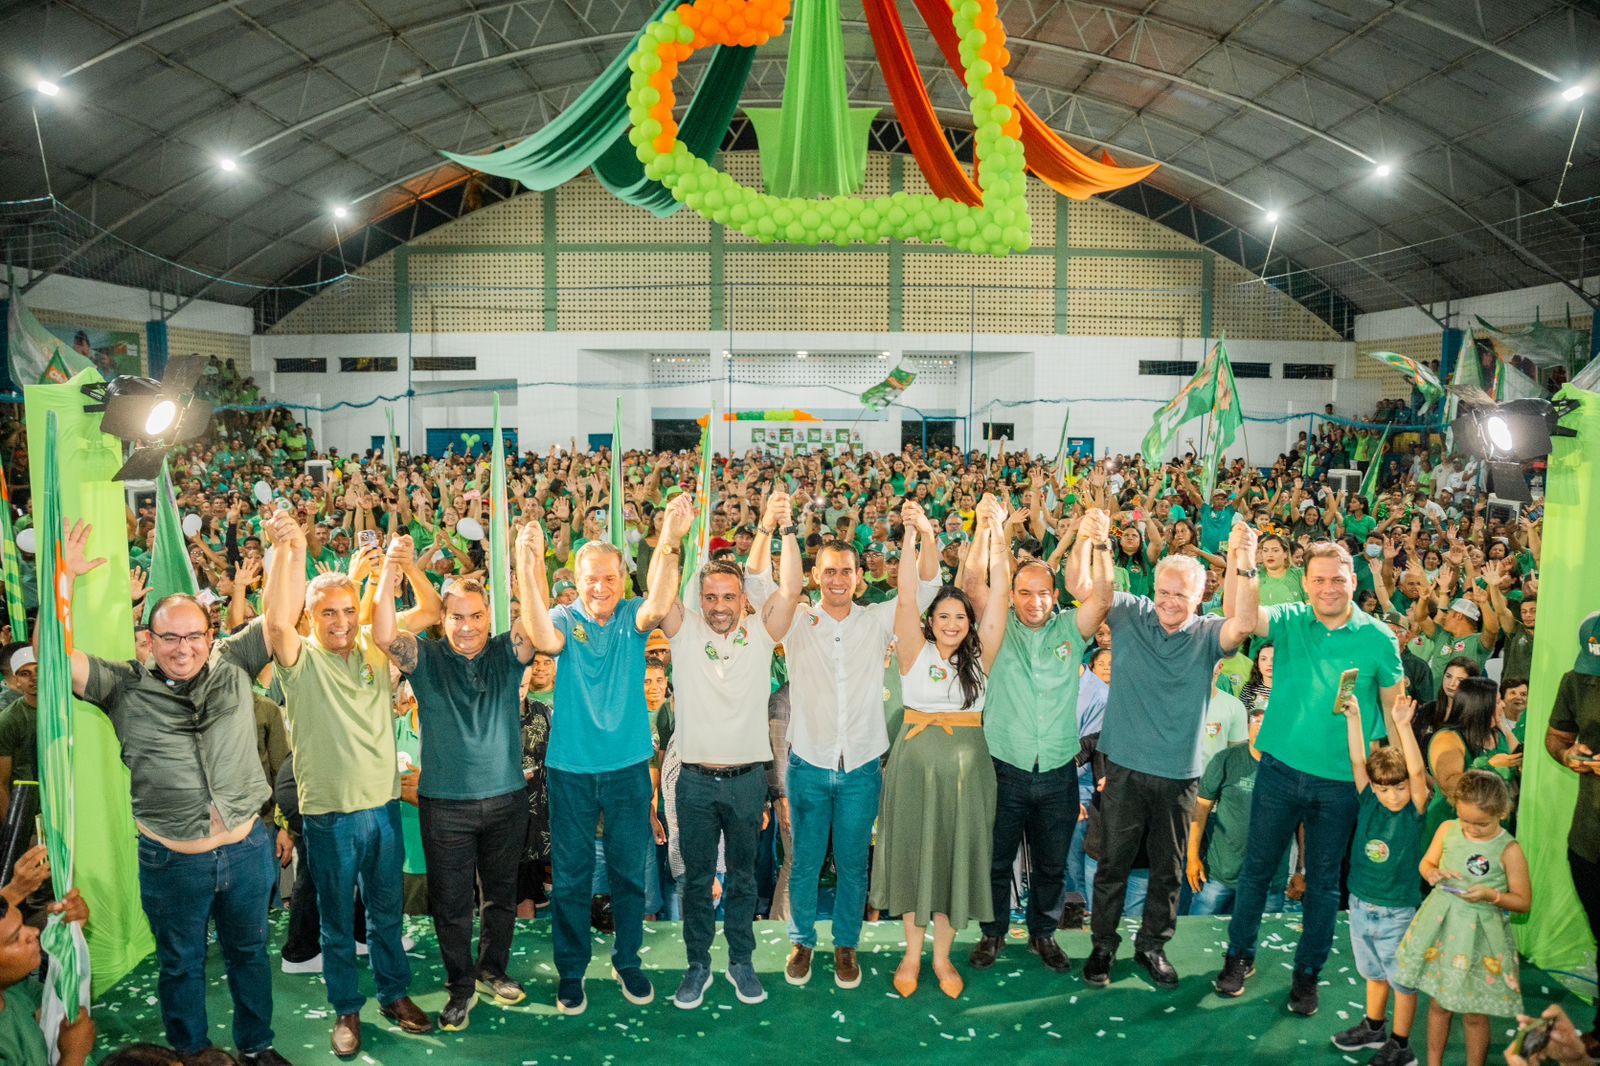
point(338, 706)
point(1305, 773)
point(1030, 723)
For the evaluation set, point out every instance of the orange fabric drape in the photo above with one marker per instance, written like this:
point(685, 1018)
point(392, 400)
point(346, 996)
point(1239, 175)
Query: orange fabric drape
point(914, 109)
point(1052, 160)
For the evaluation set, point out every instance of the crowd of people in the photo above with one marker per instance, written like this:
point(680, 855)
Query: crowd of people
point(887, 671)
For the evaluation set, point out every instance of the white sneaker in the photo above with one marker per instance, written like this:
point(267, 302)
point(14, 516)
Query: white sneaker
point(361, 949)
point(406, 944)
point(311, 965)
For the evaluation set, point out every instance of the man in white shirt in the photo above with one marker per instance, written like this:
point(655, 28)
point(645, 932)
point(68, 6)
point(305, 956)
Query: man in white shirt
point(722, 665)
point(837, 735)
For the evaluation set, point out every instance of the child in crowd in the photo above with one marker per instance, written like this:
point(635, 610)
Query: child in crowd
point(1384, 889)
point(1459, 948)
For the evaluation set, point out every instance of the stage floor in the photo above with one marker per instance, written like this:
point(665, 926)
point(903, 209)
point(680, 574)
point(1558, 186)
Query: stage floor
point(1017, 1011)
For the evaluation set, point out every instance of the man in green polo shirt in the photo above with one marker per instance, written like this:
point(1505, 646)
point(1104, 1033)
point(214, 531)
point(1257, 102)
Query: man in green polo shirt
point(1443, 637)
point(1030, 723)
point(338, 709)
point(1305, 774)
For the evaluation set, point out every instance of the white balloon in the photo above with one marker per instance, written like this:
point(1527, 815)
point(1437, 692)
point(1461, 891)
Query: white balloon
point(263, 492)
point(191, 524)
point(27, 540)
point(470, 528)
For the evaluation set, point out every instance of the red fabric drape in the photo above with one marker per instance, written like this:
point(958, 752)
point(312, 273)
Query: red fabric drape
point(1052, 160)
point(912, 107)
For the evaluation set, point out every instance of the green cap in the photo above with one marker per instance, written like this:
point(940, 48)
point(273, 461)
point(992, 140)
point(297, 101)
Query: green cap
point(559, 587)
point(1589, 646)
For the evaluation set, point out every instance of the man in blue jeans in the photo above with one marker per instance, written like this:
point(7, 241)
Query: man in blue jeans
point(187, 728)
point(1304, 776)
point(600, 744)
point(837, 735)
point(339, 711)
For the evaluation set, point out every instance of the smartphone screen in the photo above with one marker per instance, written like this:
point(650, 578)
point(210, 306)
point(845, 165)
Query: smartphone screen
point(367, 538)
point(1347, 688)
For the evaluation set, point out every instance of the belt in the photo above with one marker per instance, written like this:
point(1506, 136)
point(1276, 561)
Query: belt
point(949, 722)
point(723, 773)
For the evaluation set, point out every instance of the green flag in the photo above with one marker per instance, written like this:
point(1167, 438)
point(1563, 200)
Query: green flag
point(618, 534)
point(499, 531)
point(694, 546)
point(1195, 399)
point(391, 446)
point(884, 392)
point(37, 356)
point(68, 985)
point(1419, 375)
point(1226, 418)
point(170, 570)
point(10, 565)
point(1369, 481)
point(1061, 447)
point(1308, 460)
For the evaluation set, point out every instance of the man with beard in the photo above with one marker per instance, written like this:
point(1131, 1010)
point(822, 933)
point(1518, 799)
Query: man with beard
point(472, 799)
point(600, 744)
point(1030, 723)
point(722, 680)
point(338, 707)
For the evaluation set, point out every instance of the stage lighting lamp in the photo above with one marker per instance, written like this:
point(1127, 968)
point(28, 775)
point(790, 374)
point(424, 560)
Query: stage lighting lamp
point(1499, 433)
point(160, 418)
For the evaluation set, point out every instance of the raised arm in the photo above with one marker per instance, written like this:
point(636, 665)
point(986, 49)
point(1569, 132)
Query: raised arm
point(1245, 603)
point(907, 615)
point(972, 576)
point(1092, 610)
point(1401, 715)
point(1093, 532)
point(1356, 743)
point(535, 618)
point(283, 599)
point(398, 645)
point(911, 513)
point(665, 563)
point(75, 561)
point(996, 611)
point(778, 613)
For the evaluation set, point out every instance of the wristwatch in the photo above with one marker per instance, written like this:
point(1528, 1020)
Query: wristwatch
point(789, 530)
point(1246, 573)
point(672, 550)
point(765, 531)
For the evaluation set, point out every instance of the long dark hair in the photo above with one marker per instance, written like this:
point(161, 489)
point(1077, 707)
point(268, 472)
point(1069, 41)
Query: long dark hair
point(968, 656)
point(1474, 709)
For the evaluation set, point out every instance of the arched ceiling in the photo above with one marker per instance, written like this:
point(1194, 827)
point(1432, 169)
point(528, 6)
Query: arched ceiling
point(1253, 106)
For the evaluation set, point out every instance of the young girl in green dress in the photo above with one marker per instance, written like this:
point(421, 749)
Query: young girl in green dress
point(1459, 949)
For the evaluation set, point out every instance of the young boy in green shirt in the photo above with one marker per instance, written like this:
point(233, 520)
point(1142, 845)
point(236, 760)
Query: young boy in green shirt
point(1384, 882)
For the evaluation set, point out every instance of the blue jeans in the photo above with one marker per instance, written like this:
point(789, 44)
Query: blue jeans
point(1215, 897)
point(600, 883)
point(846, 804)
point(1284, 798)
point(576, 803)
point(350, 850)
point(181, 895)
point(1133, 895)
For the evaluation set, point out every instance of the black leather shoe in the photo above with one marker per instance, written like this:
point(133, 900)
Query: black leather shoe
point(1050, 953)
point(985, 951)
point(1097, 970)
point(265, 1057)
point(1156, 965)
point(1303, 993)
point(1074, 912)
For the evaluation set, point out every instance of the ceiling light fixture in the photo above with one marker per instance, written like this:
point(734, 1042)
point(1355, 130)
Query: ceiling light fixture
point(1570, 93)
point(340, 211)
point(801, 354)
point(1272, 216)
point(1384, 170)
point(228, 164)
point(46, 87)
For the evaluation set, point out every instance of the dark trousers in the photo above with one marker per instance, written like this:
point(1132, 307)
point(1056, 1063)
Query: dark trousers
point(359, 848)
point(1156, 810)
point(1284, 798)
point(471, 843)
point(182, 894)
point(729, 809)
point(576, 803)
point(1586, 879)
point(1043, 807)
point(303, 940)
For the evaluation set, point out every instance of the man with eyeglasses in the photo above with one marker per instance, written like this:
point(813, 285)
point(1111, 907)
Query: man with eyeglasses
point(186, 723)
point(340, 715)
point(472, 796)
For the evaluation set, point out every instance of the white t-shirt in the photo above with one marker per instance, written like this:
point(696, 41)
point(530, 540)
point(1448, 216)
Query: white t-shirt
point(721, 684)
point(1226, 723)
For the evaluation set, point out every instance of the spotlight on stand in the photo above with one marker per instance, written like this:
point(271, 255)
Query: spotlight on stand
point(152, 415)
point(1506, 435)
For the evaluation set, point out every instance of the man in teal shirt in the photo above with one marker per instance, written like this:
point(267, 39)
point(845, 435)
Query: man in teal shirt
point(1030, 723)
point(1305, 774)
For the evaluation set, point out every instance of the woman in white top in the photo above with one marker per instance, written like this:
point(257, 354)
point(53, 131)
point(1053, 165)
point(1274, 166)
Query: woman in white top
point(936, 821)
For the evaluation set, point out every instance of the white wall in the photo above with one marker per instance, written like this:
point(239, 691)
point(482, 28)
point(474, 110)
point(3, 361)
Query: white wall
point(81, 296)
point(1110, 400)
point(1550, 302)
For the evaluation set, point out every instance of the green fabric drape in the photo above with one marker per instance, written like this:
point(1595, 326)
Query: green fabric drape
point(703, 127)
point(815, 144)
point(1556, 934)
point(571, 142)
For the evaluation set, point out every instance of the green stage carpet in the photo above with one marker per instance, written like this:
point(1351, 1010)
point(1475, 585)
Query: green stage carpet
point(1017, 1012)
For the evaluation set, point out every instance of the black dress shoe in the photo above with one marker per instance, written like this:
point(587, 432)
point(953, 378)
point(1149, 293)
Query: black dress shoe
point(1074, 912)
point(265, 1057)
point(1097, 970)
point(1050, 953)
point(1156, 965)
point(985, 951)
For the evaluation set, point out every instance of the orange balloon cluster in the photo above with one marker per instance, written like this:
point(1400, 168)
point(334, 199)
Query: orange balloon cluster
point(749, 23)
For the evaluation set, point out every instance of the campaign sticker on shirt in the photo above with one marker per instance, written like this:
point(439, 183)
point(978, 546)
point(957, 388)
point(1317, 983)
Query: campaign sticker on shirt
point(938, 673)
point(1213, 729)
point(815, 619)
point(711, 652)
point(367, 676)
point(1064, 650)
point(741, 637)
point(1377, 851)
point(580, 634)
point(1477, 866)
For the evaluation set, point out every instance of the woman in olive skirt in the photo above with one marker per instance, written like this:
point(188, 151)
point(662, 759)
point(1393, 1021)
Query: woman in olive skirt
point(936, 822)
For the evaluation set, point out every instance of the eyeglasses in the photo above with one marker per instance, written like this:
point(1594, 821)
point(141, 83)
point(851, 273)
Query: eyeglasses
point(172, 640)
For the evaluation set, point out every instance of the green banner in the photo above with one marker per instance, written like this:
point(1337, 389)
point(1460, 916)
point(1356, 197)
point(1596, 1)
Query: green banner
point(1418, 374)
point(1556, 933)
point(106, 868)
point(889, 389)
point(695, 544)
point(11, 564)
point(170, 570)
point(1369, 481)
point(1194, 400)
point(1226, 419)
point(499, 532)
